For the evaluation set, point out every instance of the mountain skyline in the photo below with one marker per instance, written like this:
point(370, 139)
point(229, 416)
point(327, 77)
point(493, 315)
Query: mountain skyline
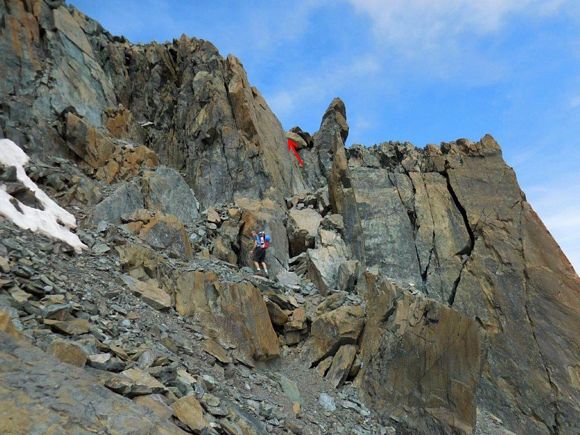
point(416, 71)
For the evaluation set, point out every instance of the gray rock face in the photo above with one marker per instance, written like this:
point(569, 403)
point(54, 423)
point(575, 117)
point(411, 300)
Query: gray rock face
point(196, 109)
point(166, 191)
point(126, 199)
point(386, 226)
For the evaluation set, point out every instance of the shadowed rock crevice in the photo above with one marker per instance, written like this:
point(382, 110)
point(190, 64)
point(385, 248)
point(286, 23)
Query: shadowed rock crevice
point(465, 253)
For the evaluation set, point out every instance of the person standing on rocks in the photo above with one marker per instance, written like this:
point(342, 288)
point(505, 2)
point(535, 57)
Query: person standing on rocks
point(261, 242)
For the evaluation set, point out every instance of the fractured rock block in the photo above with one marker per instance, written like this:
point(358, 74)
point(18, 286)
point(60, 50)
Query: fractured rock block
point(420, 359)
point(334, 329)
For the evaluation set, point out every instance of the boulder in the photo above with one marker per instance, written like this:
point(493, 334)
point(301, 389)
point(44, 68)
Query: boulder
point(217, 351)
point(135, 382)
point(341, 364)
point(277, 315)
point(222, 249)
point(334, 329)
point(240, 315)
point(168, 233)
point(123, 201)
point(150, 292)
point(324, 262)
point(69, 327)
point(189, 411)
point(166, 191)
point(347, 275)
point(302, 229)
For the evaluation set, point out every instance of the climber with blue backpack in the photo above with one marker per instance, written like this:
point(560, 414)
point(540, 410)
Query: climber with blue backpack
point(261, 243)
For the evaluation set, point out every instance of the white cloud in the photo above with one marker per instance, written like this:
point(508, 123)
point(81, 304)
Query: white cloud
point(430, 22)
point(323, 84)
point(444, 36)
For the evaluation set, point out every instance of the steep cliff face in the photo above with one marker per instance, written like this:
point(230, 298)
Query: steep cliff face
point(182, 99)
point(454, 224)
point(472, 310)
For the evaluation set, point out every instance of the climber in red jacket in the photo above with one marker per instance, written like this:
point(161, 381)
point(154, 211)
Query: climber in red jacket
point(292, 147)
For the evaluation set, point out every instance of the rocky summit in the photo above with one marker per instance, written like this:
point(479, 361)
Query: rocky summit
point(410, 291)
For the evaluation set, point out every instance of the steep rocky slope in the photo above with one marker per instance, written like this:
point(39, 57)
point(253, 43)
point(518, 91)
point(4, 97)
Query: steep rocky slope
point(420, 279)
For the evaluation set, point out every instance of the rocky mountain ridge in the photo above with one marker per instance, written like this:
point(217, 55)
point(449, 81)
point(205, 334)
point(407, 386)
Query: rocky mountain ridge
point(418, 279)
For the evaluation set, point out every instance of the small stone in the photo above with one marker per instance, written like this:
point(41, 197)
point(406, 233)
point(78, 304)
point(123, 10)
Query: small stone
point(213, 216)
point(327, 402)
point(296, 408)
point(146, 359)
point(19, 295)
point(70, 327)
point(210, 400)
point(4, 264)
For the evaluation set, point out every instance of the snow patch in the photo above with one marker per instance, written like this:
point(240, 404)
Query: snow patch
point(53, 221)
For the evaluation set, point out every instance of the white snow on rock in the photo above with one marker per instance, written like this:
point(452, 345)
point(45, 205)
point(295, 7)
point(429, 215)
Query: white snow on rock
point(53, 221)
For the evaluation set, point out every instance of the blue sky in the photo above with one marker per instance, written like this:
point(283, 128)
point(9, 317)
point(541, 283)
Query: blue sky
point(425, 71)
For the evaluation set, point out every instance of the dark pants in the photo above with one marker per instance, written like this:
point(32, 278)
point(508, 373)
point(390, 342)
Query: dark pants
point(259, 254)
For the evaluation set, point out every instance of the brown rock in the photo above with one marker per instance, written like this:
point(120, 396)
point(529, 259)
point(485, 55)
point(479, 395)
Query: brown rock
point(213, 216)
point(150, 292)
point(240, 315)
point(88, 143)
point(215, 350)
point(119, 122)
point(142, 382)
point(324, 365)
point(277, 315)
point(302, 229)
point(222, 250)
point(68, 352)
point(7, 326)
point(296, 320)
point(334, 329)
point(189, 411)
point(69, 327)
point(341, 365)
point(292, 338)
